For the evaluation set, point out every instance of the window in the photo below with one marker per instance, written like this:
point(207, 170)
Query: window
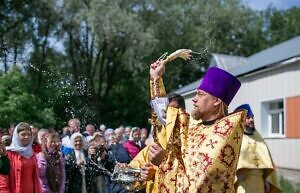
point(273, 118)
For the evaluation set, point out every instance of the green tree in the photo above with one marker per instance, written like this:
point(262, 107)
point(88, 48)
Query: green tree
point(204, 26)
point(100, 71)
point(18, 104)
point(101, 52)
point(281, 25)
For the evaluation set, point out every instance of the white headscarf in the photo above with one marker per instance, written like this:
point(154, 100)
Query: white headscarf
point(16, 146)
point(107, 132)
point(132, 131)
point(79, 154)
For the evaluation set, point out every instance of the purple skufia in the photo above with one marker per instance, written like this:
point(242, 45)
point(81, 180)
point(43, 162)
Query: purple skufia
point(220, 83)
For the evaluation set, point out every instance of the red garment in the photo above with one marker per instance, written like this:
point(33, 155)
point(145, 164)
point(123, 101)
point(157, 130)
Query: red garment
point(23, 176)
point(36, 147)
point(132, 148)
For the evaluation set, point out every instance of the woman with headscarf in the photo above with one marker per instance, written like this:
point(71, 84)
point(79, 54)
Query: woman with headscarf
point(51, 165)
point(80, 170)
point(134, 144)
point(23, 175)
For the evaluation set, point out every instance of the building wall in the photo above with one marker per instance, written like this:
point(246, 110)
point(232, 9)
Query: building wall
point(279, 83)
point(285, 152)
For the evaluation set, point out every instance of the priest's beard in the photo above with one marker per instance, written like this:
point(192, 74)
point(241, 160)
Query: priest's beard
point(249, 130)
point(196, 114)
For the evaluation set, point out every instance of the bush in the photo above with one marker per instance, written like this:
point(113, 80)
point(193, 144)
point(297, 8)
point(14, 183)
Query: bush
point(287, 186)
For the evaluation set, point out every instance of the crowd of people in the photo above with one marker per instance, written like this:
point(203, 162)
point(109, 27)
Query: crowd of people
point(211, 151)
point(41, 160)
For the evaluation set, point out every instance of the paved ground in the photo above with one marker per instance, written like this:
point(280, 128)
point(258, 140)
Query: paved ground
point(292, 175)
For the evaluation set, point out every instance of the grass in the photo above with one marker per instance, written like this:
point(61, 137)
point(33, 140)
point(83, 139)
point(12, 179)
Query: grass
point(287, 186)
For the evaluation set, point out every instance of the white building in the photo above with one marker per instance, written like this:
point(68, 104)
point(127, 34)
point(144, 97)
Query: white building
point(271, 85)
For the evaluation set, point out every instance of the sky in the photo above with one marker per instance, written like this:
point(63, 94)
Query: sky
point(279, 4)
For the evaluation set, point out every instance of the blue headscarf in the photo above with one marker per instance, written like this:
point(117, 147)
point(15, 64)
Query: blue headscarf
point(16, 146)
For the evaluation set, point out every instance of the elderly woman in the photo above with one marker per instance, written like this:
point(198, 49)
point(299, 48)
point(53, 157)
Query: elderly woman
point(6, 140)
point(134, 144)
point(23, 175)
point(80, 170)
point(51, 165)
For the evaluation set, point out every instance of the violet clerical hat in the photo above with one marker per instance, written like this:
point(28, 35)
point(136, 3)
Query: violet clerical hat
point(220, 84)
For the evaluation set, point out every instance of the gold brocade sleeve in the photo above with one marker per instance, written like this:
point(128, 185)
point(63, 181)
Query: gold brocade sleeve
point(157, 88)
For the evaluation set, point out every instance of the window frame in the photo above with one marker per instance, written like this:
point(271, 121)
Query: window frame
point(266, 121)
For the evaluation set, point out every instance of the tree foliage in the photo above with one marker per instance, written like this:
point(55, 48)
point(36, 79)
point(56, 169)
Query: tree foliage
point(281, 25)
point(18, 104)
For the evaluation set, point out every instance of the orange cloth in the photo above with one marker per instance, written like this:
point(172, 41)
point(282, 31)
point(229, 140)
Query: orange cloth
point(23, 176)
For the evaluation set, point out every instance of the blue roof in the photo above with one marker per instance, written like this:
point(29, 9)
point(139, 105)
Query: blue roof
point(242, 65)
point(188, 87)
point(227, 62)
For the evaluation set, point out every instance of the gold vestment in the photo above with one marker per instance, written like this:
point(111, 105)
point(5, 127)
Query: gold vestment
point(255, 166)
point(202, 158)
